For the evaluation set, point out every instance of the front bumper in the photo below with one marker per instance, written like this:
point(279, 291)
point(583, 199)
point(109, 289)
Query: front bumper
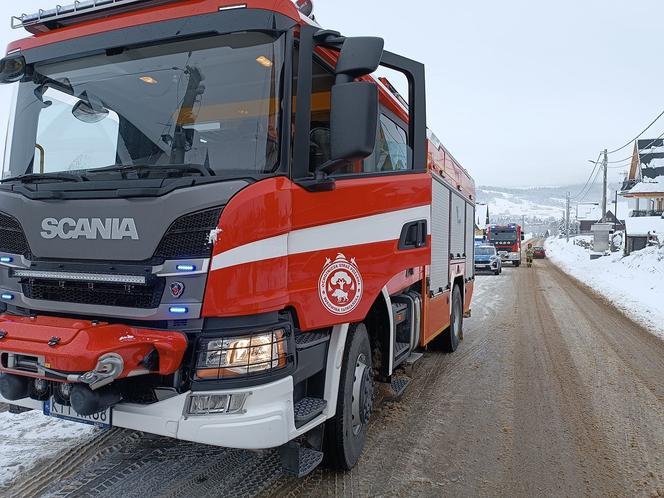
point(486, 265)
point(67, 346)
point(267, 420)
point(510, 256)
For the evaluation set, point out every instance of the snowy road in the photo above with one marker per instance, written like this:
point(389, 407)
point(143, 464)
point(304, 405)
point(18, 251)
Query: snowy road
point(552, 393)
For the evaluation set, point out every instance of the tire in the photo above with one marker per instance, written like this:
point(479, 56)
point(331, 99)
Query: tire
point(497, 272)
point(345, 436)
point(455, 332)
point(517, 264)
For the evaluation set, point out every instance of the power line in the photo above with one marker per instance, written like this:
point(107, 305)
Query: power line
point(630, 157)
point(591, 180)
point(592, 184)
point(590, 177)
point(636, 138)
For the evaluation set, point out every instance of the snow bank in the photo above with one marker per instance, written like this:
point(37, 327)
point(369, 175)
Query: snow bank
point(635, 284)
point(28, 437)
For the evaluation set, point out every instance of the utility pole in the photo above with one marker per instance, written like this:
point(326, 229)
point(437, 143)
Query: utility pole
point(605, 167)
point(567, 218)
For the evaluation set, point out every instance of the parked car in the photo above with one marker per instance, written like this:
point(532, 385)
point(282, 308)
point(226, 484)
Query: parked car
point(487, 259)
point(539, 252)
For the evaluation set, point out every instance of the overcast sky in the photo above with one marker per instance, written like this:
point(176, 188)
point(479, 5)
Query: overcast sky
point(522, 92)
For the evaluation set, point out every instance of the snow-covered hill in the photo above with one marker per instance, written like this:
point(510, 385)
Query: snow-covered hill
point(543, 203)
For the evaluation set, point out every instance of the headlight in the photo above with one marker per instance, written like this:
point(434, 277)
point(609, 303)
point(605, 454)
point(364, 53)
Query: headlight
point(245, 355)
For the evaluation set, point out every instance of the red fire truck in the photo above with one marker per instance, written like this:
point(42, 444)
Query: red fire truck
point(216, 225)
point(507, 239)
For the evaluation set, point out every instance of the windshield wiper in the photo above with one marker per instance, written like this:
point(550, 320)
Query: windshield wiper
point(31, 177)
point(184, 168)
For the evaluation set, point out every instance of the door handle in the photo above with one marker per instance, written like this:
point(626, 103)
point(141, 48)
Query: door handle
point(413, 235)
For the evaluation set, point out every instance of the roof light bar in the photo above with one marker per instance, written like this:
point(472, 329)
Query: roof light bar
point(61, 13)
point(80, 277)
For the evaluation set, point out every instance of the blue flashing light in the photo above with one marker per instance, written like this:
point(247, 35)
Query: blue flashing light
point(178, 310)
point(7, 296)
point(6, 259)
point(187, 267)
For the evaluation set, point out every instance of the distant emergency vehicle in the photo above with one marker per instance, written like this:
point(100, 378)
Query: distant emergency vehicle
point(507, 240)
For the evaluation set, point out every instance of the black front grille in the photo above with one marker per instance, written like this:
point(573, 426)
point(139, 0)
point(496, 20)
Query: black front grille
point(189, 236)
point(101, 294)
point(12, 237)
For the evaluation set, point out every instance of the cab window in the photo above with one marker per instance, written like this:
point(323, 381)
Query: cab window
point(392, 152)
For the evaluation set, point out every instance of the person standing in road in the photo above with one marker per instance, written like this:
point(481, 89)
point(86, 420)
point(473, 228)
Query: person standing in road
point(529, 255)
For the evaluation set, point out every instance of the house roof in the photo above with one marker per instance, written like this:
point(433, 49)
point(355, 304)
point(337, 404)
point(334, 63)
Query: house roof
point(648, 187)
point(588, 211)
point(592, 211)
point(643, 225)
point(647, 161)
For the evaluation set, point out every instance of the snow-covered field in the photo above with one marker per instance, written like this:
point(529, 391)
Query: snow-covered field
point(28, 437)
point(635, 283)
point(517, 207)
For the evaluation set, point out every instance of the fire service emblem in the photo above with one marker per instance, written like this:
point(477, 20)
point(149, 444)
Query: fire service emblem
point(340, 285)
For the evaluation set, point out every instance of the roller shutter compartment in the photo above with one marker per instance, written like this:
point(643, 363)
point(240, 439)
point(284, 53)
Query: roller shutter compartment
point(440, 236)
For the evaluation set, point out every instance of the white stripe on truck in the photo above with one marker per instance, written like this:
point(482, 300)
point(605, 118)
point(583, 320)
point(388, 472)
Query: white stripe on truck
point(366, 230)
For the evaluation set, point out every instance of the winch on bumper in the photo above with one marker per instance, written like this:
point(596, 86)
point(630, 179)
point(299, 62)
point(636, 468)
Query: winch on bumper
point(90, 352)
point(86, 357)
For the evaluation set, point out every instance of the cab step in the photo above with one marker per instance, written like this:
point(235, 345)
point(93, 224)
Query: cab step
point(17, 410)
point(401, 350)
point(413, 358)
point(308, 409)
point(399, 385)
point(307, 340)
point(299, 461)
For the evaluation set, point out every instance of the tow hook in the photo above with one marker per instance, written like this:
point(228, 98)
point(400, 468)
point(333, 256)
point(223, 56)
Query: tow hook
point(109, 367)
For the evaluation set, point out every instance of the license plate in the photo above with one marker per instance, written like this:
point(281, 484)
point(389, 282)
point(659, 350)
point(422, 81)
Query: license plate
point(55, 409)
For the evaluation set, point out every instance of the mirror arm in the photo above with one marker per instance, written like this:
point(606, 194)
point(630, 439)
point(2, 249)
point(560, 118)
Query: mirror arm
point(328, 167)
point(321, 181)
point(343, 78)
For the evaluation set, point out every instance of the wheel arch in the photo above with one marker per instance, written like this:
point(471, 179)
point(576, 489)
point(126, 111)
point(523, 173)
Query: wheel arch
point(379, 323)
point(458, 281)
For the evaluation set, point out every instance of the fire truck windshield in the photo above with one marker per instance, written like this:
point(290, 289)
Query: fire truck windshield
point(205, 106)
point(503, 235)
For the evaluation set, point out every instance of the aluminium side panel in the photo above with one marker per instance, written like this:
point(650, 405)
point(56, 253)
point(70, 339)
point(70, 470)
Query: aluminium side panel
point(470, 240)
point(458, 227)
point(439, 273)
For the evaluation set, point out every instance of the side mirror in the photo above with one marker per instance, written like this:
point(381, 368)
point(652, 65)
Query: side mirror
point(354, 114)
point(359, 56)
point(523, 236)
point(12, 69)
point(353, 123)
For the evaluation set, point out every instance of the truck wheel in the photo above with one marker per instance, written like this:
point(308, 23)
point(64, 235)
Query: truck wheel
point(346, 433)
point(517, 264)
point(455, 332)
